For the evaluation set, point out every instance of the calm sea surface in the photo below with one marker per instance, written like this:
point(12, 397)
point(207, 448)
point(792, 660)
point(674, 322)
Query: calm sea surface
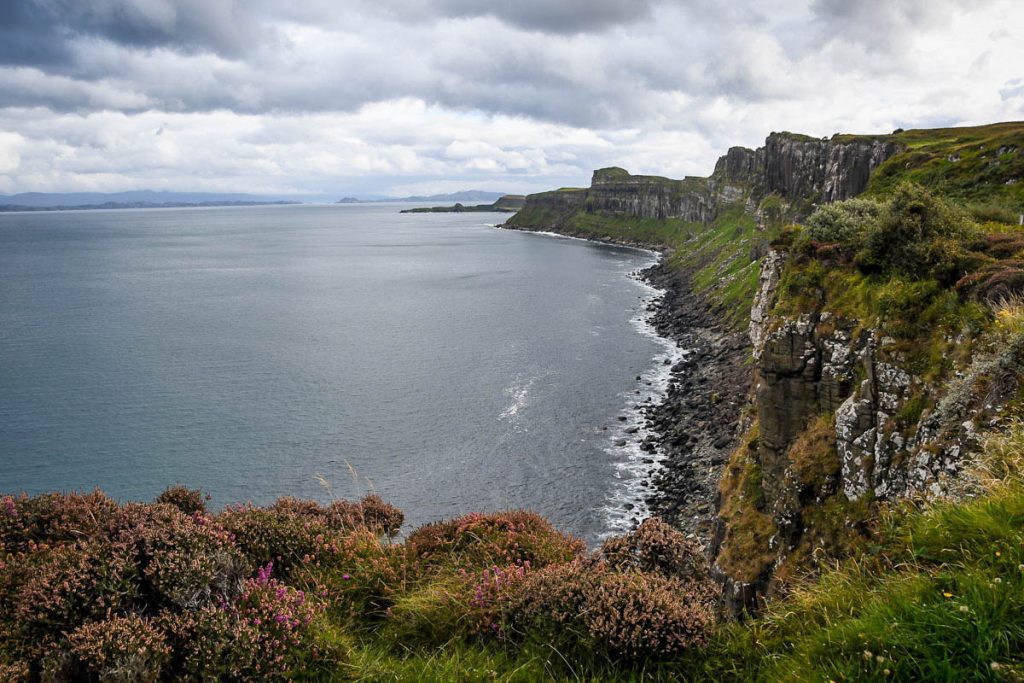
point(262, 351)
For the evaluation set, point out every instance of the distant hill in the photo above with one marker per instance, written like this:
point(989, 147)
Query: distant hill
point(462, 196)
point(509, 203)
point(54, 199)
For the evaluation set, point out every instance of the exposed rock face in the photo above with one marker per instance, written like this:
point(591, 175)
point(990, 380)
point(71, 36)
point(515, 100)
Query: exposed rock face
point(803, 171)
point(801, 168)
point(615, 190)
point(771, 269)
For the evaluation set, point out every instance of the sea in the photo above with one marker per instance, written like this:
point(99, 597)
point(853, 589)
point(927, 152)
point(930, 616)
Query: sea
point(326, 352)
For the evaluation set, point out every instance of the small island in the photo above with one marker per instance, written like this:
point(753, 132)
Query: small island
point(509, 203)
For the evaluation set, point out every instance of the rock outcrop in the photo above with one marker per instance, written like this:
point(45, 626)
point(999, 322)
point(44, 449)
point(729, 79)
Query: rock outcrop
point(800, 170)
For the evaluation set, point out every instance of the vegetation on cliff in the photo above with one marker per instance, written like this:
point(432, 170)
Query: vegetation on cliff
point(873, 511)
point(93, 590)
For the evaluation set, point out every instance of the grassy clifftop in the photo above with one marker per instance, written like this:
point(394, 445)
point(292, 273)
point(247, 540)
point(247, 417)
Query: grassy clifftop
point(722, 225)
point(982, 166)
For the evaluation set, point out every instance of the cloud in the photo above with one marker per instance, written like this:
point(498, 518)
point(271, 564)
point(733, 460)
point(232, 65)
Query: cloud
point(370, 96)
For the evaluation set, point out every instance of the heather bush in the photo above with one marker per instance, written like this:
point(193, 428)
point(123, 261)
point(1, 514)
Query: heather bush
point(209, 643)
point(280, 536)
point(369, 513)
point(58, 588)
point(360, 576)
point(191, 562)
point(498, 539)
point(14, 672)
point(655, 547)
point(283, 615)
point(189, 501)
point(258, 637)
point(128, 649)
point(586, 609)
point(53, 518)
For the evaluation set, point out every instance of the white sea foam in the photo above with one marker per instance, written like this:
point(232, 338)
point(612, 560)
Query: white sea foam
point(626, 503)
point(635, 469)
point(519, 398)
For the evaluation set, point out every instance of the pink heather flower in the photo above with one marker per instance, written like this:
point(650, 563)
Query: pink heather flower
point(9, 507)
point(263, 575)
point(345, 577)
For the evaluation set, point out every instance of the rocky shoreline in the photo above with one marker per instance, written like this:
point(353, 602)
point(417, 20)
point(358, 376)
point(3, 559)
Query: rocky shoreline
point(697, 425)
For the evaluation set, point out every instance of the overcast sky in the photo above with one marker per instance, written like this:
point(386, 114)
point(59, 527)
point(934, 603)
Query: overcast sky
point(395, 97)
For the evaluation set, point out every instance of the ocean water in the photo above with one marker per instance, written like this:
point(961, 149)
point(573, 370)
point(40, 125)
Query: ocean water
point(325, 351)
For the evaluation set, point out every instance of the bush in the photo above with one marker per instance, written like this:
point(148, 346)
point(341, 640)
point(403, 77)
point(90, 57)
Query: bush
point(844, 222)
point(281, 536)
point(191, 562)
point(587, 609)
point(59, 588)
point(918, 235)
point(497, 539)
point(256, 638)
point(54, 518)
point(189, 501)
point(14, 672)
point(283, 615)
point(370, 513)
point(120, 649)
point(657, 548)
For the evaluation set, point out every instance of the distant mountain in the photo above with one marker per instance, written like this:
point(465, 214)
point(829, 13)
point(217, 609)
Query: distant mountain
point(508, 203)
point(134, 199)
point(462, 196)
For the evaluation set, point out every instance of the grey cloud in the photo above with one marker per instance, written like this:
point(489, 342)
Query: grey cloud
point(40, 32)
point(565, 16)
point(883, 24)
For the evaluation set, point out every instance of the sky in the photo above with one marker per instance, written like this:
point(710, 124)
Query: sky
point(395, 97)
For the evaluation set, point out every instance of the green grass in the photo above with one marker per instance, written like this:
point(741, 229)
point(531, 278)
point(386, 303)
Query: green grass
point(962, 164)
point(940, 597)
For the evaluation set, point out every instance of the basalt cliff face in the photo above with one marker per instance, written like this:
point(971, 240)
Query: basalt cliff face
point(842, 402)
point(799, 170)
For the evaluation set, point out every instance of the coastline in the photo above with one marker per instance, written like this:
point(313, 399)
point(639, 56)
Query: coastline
point(687, 436)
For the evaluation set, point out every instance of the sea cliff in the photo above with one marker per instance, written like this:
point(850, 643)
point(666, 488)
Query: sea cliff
point(817, 392)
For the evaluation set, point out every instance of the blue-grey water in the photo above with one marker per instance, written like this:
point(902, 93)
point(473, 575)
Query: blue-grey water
point(322, 351)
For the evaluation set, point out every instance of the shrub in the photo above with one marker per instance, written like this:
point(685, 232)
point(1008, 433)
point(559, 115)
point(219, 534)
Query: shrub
point(62, 587)
point(655, 547)
point(54, 518)
point(280, 536)
point(283, 615)
point(995, 281)
point(125, 649)
point(14, 672)
point(191, 562)
point(918, 235)
point(360, 576)
point(189, 501)
point(844, 222)
point(587, 609)
point(497, 539)
point(210, 644)
point(371, 513)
